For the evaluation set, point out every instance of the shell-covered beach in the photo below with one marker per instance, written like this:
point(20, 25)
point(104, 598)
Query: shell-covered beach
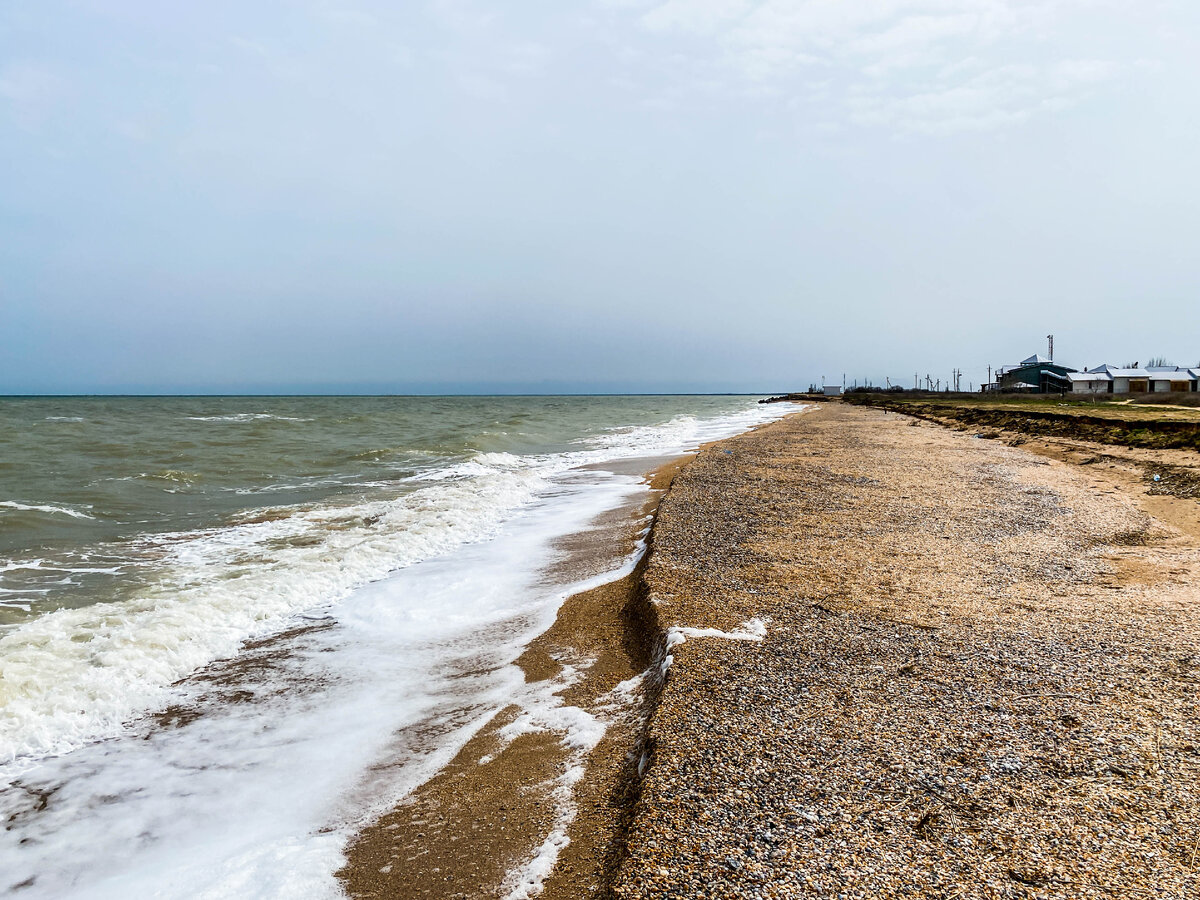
point(977, 678)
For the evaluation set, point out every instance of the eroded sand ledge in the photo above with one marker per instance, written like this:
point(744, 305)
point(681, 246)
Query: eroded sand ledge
point(492, 823)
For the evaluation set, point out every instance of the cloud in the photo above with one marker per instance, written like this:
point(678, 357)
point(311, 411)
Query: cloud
point(930, 66)
point(835, 29)
point(998, 97)
point(32, 92)
point(699, 16)
point(347, 16)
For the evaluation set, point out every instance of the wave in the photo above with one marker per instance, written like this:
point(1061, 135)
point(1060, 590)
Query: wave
point(297, 486)
point(14, 565)
point(248, 417)
point(44, 508)
point(77, 675)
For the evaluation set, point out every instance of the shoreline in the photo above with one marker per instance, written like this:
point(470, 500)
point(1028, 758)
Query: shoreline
point(525, 808)
point(731, 775)
point(528, 808)
point(363, 704)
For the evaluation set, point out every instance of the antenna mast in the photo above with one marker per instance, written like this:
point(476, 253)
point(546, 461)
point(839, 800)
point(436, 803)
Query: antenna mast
point(1050, 338)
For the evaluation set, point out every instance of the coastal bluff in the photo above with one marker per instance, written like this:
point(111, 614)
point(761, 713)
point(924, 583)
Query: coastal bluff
point(904, 661)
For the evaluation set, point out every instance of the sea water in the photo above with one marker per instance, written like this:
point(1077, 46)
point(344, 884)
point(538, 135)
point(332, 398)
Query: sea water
point(233, 630)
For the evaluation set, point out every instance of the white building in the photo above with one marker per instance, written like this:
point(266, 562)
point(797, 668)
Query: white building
point(1170, 378)
point(1095, 382)
point(832, 390)
point(1108, 379)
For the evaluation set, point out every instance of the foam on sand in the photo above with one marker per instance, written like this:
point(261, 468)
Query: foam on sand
point(752, 630)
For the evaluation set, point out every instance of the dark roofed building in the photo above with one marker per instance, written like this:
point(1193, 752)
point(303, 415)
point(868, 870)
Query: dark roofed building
point(1037, 374)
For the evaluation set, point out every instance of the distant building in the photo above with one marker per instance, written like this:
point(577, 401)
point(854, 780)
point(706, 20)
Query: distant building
point(1036, 375)
point(1108, 379)
point(1130, 380)
point(1170, 378)
point(1093, 382)
point(832, 390)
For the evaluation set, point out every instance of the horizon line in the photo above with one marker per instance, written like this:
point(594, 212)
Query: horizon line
point(183, 395)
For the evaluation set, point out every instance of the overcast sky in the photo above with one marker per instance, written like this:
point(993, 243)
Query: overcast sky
point(594, 195)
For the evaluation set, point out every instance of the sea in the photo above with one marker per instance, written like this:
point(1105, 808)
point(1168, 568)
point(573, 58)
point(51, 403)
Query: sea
point(234, 630)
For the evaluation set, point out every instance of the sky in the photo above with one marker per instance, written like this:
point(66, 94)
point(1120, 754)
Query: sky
point(600, 195)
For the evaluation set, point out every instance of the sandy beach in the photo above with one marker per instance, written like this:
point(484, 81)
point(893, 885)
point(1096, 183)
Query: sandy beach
point(977, 680)
point(864, 656)
point(900, 661)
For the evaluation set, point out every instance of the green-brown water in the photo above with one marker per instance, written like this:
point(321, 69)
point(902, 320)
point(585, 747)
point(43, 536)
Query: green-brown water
point(95, 492)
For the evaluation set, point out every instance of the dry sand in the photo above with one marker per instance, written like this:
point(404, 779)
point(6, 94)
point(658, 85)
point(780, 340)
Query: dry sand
point(978, 680)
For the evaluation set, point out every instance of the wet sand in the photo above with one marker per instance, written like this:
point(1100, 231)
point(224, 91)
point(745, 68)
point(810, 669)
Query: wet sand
point(504, 810)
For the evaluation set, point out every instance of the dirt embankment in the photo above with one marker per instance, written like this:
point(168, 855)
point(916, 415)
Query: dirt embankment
point(1106, 429)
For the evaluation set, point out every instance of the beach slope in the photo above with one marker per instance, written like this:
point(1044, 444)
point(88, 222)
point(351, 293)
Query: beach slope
point(902, 661)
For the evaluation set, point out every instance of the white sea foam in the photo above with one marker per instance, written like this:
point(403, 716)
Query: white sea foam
point(77, 675)
point(752, 630)
point(46, 508)
point(248, 417)
point(295, 486)
point(14, 565)
point(211, 809)
point(580, 732)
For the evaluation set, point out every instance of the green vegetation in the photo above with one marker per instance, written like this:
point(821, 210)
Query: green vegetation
point(1180, 408)
point(1124, 421)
